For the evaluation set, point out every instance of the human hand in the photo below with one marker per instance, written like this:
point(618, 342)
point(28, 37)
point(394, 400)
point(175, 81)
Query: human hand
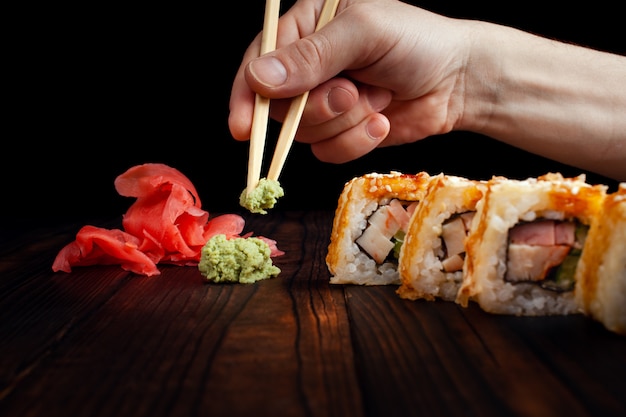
point(380, 73)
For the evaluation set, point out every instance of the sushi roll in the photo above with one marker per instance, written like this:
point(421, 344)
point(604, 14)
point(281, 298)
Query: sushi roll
point(370, 222)
point(525, 243)
point(601, 272)
point(433, 253)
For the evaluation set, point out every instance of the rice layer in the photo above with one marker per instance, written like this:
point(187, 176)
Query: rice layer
point(507, 202)
point(360, 197)
point(601, 272)
point(420, 265)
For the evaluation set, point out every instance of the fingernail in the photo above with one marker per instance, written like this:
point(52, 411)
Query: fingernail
point(340, 100)
point(379, 99)
point(269, 71)
point(376, 129)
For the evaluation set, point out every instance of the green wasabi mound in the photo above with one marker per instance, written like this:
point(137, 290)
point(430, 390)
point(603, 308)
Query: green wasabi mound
point(244, 260)
point(263, 197)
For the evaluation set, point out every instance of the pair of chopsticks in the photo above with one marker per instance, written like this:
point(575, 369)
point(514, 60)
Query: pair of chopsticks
point(262, 104)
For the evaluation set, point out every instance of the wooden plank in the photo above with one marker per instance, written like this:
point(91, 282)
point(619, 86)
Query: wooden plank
point(437, 358)
point(102, 342)
point(172, 343)
point(301, 327)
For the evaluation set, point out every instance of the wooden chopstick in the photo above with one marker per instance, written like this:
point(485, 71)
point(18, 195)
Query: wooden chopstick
point(260, 116)
point(294, 114)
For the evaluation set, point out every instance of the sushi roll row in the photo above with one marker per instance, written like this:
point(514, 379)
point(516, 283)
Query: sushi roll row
point(539, 246)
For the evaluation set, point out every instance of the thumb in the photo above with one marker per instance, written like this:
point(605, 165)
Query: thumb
point(298, 67)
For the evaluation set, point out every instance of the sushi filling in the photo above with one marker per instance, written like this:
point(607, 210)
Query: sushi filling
point(453, 234)
point(545, 252)
point(385, 230)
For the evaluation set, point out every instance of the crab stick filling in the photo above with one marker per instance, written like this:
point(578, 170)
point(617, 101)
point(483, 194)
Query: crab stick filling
point(385, 229)
point(453, 234)
point(544, 252)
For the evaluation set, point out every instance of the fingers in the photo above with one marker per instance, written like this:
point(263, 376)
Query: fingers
point(331, 99)
point(342, 126)
point(305, 63)
point(355, 142)
point(241, 104)
point(321, 119)
point(341, 121)
point(324, 103)
point(302, 63)
point(298, 20)
point(241, 111)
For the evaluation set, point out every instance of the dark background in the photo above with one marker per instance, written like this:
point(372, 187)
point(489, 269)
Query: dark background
point(96, 89)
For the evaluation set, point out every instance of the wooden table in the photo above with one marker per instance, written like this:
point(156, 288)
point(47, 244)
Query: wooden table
point(103, 342)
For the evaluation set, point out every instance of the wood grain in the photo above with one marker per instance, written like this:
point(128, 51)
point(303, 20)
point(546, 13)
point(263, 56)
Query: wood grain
point(103, 342)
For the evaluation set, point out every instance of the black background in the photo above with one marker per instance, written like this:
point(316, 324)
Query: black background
point(98, 88)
